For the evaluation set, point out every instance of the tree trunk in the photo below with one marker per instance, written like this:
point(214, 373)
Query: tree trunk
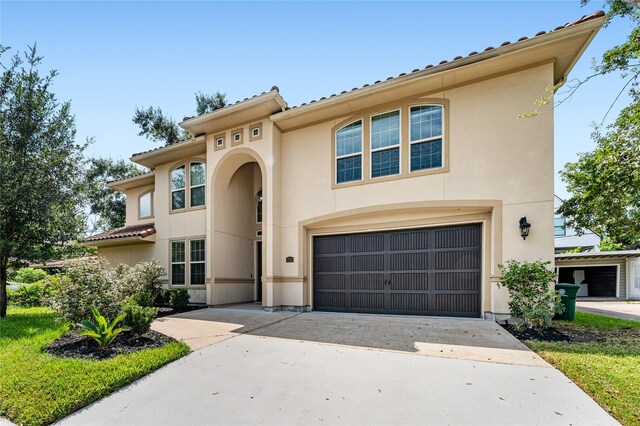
point(3, 286)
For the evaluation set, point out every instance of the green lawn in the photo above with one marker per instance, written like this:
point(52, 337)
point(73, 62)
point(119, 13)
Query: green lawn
point(608, 371)
point(37, 388)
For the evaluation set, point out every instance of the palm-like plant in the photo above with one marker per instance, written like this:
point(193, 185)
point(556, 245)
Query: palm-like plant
point(101, 330)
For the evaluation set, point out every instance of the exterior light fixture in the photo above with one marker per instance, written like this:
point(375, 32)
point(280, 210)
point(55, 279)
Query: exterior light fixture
point(524, 227)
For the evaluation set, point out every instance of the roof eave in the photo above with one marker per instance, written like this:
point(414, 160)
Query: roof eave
point(132, 182)
point(191, 123)
point(592, 25)
point(145, 158)
point(124, 241)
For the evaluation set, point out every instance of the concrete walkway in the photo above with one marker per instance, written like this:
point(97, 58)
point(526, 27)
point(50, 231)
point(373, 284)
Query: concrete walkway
point(320, 368)
point(616, 309)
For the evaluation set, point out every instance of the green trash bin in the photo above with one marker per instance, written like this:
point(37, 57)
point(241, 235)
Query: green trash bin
point(568, 293)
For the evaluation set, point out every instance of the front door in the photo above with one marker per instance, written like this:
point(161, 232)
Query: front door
point(258, 271)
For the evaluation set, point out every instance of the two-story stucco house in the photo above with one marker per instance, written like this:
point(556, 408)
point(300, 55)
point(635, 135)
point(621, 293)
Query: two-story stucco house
point(401, 196)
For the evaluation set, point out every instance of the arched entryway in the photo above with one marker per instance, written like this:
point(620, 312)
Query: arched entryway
point(237, 235)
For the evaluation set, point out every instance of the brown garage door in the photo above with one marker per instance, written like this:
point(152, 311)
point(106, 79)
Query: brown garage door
point(430, 271)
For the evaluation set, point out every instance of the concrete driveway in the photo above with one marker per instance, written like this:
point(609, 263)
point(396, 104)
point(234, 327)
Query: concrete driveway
point(611, 308)
point(254, 367)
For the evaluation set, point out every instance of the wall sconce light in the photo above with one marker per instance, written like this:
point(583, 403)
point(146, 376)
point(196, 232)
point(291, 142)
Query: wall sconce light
point(524, 227)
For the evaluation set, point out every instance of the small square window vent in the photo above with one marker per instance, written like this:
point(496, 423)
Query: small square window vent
point(258, 233)
point(255, 132)
point(236, 137)
point(220, 142)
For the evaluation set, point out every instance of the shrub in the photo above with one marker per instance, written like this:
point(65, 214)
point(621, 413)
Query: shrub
point(142, 277)
point(144, 298)
point(179, 298)
point(532, 298)
point(30, 295)
point(29, 275)
point(101, 330)
point(139, 318)
point(88, 284)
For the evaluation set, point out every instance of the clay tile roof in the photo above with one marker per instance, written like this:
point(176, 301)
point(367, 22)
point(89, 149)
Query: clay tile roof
point(141, 230)
point(580, 20)
point(149, 172)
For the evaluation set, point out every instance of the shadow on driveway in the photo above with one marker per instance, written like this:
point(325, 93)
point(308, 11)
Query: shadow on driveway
point(470, 339)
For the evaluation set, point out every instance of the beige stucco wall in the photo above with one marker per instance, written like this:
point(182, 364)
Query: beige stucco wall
point(499, 169)
point(493, 156)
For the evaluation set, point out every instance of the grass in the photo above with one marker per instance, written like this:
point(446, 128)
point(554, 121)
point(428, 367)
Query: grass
point(609, 372)
point(37, 388)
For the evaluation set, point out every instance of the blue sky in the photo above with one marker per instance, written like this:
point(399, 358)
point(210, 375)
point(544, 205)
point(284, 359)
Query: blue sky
point(114, 56)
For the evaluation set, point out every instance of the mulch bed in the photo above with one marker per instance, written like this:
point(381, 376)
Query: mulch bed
point(164, 311)
point(72, 345)
point(563, 334)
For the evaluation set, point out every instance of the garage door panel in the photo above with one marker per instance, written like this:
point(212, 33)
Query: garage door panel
point(456, 303)
point(409, 261)
point(457, 237)
point(331, 282)
point(458, 259)
point(456, 281)
point(368, 262)
point(329, 264)
point(367, 301)
point(416, 240)
point(431, 271)
point(367, 243)
point(409, 302)
point(330, 245)
point(367, 282)
point(409, 281)
point(331, 300)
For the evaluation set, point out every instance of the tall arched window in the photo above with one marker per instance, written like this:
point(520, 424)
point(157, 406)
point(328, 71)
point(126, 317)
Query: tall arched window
point(259, 207)
point(178, 188)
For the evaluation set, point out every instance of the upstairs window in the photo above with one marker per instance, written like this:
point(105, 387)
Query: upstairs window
point(349, 153)
point(385, 144)
point(178, 188)
point(425, 137)
point(559, 227)
point(197, 178)
point(145, 205)
point(188, 183)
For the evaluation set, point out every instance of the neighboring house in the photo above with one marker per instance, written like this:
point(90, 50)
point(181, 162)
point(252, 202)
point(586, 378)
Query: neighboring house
point(567, 239)
point(401, 197)
point(602, 274)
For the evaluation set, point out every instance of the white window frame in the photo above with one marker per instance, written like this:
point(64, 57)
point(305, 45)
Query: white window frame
point(186, 276)
point(399, 145)
point(220, 142)
point(187, 260)
point(442, 136)
point(255, 132)
point(152, 209)
point(191, 262)
point(184, 188)
point(239, 137)
point(353, 154)
point(198, 186)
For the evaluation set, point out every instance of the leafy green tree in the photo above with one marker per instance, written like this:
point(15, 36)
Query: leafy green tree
point(41, 166)
point(209, 103)
point(107, 204)
point(605, 183)
point(159, 127)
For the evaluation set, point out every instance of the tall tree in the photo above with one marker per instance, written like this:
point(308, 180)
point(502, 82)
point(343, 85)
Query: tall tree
point(41, 166)
point(605, 183)
point(108, 205)
point(159, 127)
